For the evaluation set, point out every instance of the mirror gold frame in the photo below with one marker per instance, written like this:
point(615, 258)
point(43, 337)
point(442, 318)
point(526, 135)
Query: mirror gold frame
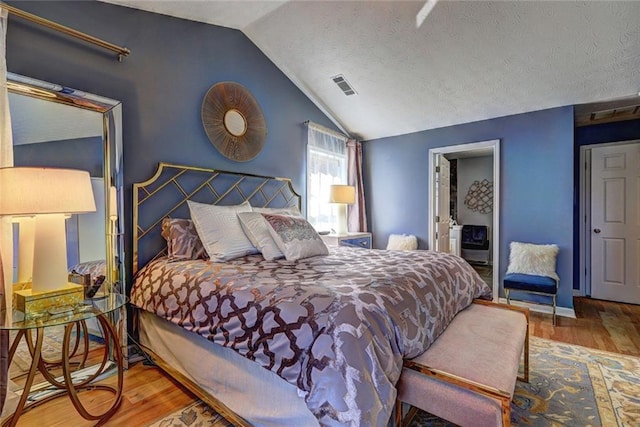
point(233, 121)
point(111, 111)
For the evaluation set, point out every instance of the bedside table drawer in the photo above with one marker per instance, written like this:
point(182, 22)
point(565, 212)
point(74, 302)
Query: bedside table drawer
point(357, 240)
point(360, 242)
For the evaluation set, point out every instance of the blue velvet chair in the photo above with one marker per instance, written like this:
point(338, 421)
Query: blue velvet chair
point(541, 285)
point(530, 270)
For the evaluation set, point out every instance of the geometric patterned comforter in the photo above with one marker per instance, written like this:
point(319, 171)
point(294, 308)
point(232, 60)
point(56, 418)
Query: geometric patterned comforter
point(93, 268)
point(335, 326)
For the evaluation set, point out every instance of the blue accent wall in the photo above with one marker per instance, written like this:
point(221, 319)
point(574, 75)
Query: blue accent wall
point(162, 83)
point(536, 165)
point(607, 132)
point(78, 153)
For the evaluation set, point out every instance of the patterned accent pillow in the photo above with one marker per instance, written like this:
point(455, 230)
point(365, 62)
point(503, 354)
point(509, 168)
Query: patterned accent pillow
point(528, 258)
point(93, 268)
point(220, 230)
point(257, 230)
point(182, 238)
point(295, 237)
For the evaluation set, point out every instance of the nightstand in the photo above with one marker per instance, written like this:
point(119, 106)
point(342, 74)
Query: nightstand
point(359, 240)
point(75, 376)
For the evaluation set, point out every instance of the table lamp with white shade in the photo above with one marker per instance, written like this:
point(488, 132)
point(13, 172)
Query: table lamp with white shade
point(342, 195)
point(48, 195)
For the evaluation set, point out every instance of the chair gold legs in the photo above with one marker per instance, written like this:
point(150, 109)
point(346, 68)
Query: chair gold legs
point(553, 296)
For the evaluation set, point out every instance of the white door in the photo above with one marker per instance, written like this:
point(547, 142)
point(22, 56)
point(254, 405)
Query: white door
point(615, 223)
point(443, 209)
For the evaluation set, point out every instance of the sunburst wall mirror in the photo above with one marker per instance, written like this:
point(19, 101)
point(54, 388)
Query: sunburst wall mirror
point(233, 121)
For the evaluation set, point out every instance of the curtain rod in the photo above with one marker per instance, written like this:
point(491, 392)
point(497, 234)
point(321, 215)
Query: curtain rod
point(121, 51)
point(324, 129)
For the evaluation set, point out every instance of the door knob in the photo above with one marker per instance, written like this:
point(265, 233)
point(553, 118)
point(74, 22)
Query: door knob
point(597, 230)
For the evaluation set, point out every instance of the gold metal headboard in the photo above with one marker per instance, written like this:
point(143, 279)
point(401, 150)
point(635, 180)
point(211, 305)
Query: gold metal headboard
point(165, 194)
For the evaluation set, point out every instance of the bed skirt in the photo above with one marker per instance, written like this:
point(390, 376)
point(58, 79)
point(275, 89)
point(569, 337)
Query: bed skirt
point(255, 393)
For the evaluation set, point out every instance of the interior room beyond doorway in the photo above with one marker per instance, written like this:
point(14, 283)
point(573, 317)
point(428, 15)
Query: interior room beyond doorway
point(474, 196)
point(471, 200)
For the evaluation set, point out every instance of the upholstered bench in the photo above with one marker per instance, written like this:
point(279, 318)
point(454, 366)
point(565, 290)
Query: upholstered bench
point(469, 388)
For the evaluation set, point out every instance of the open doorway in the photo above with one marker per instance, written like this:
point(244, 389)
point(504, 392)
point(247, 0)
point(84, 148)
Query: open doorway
point(474, 189)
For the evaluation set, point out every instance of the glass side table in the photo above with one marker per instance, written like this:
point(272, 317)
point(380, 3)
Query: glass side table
point(103, 309)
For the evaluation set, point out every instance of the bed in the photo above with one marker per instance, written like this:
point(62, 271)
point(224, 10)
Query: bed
point(95, 271)
point(314, 341)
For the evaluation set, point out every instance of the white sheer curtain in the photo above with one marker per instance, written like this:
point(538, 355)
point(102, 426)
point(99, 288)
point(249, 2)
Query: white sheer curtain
point(6, 238)
point(326, 165)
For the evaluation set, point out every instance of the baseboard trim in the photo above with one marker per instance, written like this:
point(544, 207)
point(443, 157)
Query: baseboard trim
point(541, 308)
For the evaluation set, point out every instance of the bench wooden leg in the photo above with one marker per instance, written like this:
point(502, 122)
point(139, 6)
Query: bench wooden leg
point(506, 412)
point(413, 411)
point(397, 420)
point(525, 376)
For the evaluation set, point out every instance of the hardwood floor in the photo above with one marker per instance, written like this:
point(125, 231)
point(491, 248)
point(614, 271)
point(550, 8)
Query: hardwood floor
point(150, 395)
point(602, 325)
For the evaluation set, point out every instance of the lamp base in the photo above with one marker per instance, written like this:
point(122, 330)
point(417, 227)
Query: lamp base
point(49, 253)
point(38, 303)
point(341, 227)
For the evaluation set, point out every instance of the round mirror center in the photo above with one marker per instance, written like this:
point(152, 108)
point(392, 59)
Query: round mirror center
point(235, 122)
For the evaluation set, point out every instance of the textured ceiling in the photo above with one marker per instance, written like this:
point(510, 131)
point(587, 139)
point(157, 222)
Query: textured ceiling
point(470, 60)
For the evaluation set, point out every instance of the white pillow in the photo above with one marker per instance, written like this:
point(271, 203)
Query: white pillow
point(257, 230)
point(528, 258)
point(402, 242)
point(293, 211)
point(220, 230)
point(295, 237)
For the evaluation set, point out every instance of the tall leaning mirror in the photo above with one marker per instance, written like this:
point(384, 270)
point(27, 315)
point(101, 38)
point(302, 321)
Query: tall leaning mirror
point(56, 126)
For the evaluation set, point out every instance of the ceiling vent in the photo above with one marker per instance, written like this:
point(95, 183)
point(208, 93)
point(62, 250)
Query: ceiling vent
point(344, 85)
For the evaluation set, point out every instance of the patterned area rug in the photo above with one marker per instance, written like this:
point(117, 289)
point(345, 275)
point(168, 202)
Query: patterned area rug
point(569, 386)
point(197, 414)
point(51, 345)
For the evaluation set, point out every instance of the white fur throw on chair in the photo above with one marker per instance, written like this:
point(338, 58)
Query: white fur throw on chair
point(402, 242)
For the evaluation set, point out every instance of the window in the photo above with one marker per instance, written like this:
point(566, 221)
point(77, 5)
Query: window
point(326, 165)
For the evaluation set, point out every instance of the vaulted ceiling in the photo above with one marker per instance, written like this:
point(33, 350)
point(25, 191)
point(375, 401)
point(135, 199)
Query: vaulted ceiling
point(468, 61)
